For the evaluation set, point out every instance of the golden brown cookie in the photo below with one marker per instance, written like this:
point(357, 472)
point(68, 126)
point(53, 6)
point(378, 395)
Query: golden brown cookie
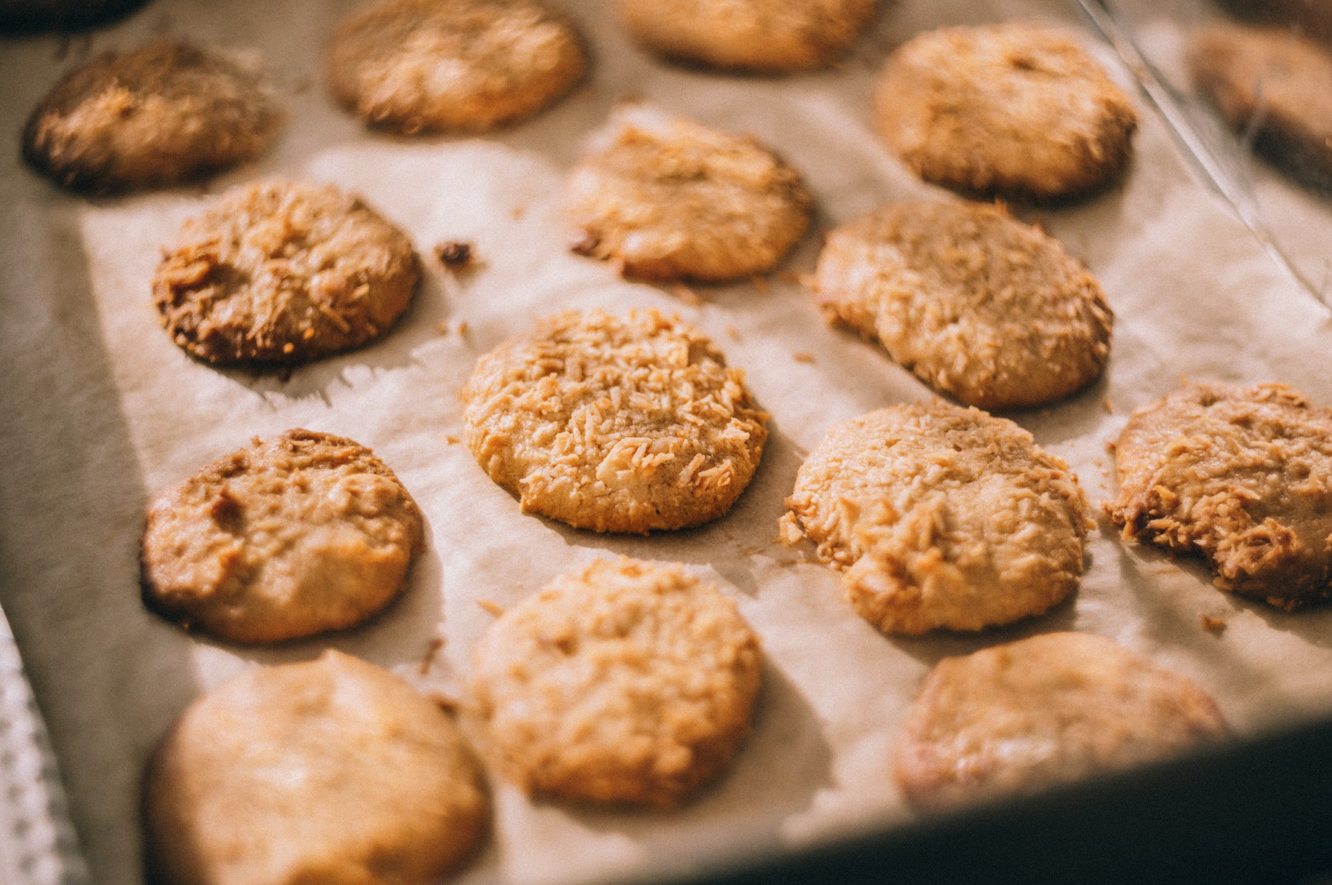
point(753, 35)
point(940, 517)
point(1274, 86)
point(1241, 475)
point(303, 533)
point(430, 65)
point(975, 303)
point(165, 113)
point(1042, 711)
point(613, 424)
point(1017, 110)
point(625, 682)
point(671, 199)
point(20, 16)
point(283, 272)
point(332, 771)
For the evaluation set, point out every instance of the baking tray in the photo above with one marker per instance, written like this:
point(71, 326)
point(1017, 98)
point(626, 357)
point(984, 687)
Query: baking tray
point(102, 411)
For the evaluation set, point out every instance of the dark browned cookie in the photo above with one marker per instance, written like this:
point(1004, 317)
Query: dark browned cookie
point(20, 16)
point(1017, 110)
point(977, 304)
point(754, 35)
point(671, 199)
point(301, 534)
point(1042, 711)
point(283, 272)
point(1312, 17)
point(325, 772)
point(1241, 475)
point(1275, 86)
point(431, 65)
point(165, 113)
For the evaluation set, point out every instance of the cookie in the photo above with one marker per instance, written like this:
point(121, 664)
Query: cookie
point(768, 36)
point(670, 199)
point(22, 16)
point(1273, 86)
point(432, 65)
point(1042, 711)
point(1017, 110)
point(940, 517)
point(331, 771)
point(1240, 475)
point(613, 424)
point(303, 533)
point(166, 113)
point(1312, 17)
point(627, 683)
point(283, 272)
point(976, 304)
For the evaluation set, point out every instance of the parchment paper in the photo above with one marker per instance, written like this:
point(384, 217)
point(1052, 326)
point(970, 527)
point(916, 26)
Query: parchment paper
point(101, 411)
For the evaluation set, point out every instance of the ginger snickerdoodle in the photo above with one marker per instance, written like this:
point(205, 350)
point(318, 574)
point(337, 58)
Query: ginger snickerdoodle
point(1241, 475)
point(303, 533)
point(976, 304)
point(433, 65)
point(165, 113)
point(330, 771)
point(756, 35)
point(672, 199)
point(630, 424)
point(1272, 84)
point(283, 272)
point(625, 682)
point(1017, 110)
point(1042, 711)
point(940, 517)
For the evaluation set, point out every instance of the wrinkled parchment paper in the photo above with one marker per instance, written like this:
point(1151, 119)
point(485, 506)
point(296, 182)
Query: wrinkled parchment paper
point(100, 411)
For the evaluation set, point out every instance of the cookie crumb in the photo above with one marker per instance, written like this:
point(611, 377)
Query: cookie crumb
point(493, 608)
point(442, 327)
point(1215, 626)
point(583, 242)
point(732, 332)
point(449, 705)
point(431, 650)
point(1109, 408)
point(452, 440)
point(687, 295)
point(803, 356)
point(454, 253)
